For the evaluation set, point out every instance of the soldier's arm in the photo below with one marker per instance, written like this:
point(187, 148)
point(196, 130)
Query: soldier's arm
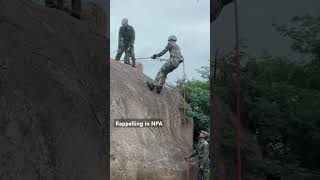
point(133, 36)
point(206, 150)
point(194, 153)
point(119, 37)
point(164, 51)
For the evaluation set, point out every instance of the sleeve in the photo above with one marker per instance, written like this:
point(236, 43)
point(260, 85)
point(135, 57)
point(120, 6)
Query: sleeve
point(164, 51)
point(133, 38)
point(119, 36)
point(204, 148)
point(194, 153)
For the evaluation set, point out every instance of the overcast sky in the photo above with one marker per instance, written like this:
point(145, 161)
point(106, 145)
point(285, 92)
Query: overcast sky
point(255, 24)
point(155, 20)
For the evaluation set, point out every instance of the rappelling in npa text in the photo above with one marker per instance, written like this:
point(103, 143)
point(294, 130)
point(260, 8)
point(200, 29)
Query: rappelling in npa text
point(138, 123)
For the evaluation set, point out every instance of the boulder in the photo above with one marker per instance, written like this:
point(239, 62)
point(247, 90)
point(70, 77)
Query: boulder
point(53, 95)
point(147, 153)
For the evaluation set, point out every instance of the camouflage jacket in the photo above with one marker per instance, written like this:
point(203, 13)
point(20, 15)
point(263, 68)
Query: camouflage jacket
point(202, 151)
point(126, 35)
point(174, 49)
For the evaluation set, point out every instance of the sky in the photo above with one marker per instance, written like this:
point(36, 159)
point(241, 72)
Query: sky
point(154, 21)
point(255, 24)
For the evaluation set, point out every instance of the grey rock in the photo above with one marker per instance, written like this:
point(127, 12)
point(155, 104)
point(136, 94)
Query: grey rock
point(153, 153)
point(52, 96)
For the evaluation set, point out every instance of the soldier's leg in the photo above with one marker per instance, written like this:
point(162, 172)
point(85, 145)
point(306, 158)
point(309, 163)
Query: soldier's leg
point(150, 84)
point(205, 174)
point(162, 75)
point(126, 56)
point(119, 53)
point(200, 174)
point(133, 57)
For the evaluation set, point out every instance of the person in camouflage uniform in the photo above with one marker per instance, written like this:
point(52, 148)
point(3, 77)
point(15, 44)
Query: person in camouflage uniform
point(126, 43)
point(202, 151)
point(174, 61)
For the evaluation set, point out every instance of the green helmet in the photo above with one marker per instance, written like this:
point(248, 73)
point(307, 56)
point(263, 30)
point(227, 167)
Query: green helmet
point(124, 22)
point(205, 133)
point(172, 38)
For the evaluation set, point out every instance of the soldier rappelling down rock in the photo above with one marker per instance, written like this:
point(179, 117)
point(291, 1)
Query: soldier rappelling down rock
point(126, 43)
point(174, 61)
point(202, 151)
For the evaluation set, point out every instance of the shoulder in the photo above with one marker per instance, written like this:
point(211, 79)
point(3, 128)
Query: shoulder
point(170, 45)
point(204, 143)
point(130, 27)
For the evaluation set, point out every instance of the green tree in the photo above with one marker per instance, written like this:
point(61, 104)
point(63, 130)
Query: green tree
point(280, 102)
point(197, 96)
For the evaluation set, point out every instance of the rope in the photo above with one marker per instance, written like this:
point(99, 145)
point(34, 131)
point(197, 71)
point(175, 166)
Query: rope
point(185, 117)
point(149, 59)
point(238, 155)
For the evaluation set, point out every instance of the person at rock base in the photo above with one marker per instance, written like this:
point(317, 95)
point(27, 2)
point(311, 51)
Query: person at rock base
point(175, 59)
point(126, 40)
point(202, 151)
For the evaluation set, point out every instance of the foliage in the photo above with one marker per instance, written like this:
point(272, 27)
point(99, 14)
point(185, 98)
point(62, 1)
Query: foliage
point(280, 101)
point(305, 32)
point(197, 96)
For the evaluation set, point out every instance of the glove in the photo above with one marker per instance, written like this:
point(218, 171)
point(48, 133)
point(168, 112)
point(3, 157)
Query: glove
point(154, 56)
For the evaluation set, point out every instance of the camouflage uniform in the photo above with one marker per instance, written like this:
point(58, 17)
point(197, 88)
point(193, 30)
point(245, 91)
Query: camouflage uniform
point(125, 44)
point(202, 151)
point(174, 61)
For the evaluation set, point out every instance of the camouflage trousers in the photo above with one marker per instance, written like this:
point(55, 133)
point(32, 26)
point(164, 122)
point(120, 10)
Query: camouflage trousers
point(129, 52)
point(168, 67)
point(203, 174)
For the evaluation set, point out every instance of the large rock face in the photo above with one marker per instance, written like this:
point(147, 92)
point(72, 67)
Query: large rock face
point(53, 100)
point(149, 153)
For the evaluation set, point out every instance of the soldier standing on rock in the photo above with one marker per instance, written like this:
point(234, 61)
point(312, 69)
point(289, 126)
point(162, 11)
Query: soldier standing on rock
point(174, 61)
point(126, 43)
point(202, 151)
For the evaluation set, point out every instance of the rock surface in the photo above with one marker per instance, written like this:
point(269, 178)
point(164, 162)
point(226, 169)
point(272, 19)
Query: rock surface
point(149, 153)
point(53, 100)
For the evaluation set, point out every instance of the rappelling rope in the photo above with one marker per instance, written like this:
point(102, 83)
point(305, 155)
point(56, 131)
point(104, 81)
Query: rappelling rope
point(186, 151)
point(238, 156)
point(150, 59)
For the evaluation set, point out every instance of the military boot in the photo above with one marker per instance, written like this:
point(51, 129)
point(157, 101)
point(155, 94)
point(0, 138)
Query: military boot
point(159, 88)
point(150, 85)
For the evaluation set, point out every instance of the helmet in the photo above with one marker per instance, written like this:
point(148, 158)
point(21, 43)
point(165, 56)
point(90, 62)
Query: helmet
point(204, 134)
point(172, 38)
point(124, 21)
